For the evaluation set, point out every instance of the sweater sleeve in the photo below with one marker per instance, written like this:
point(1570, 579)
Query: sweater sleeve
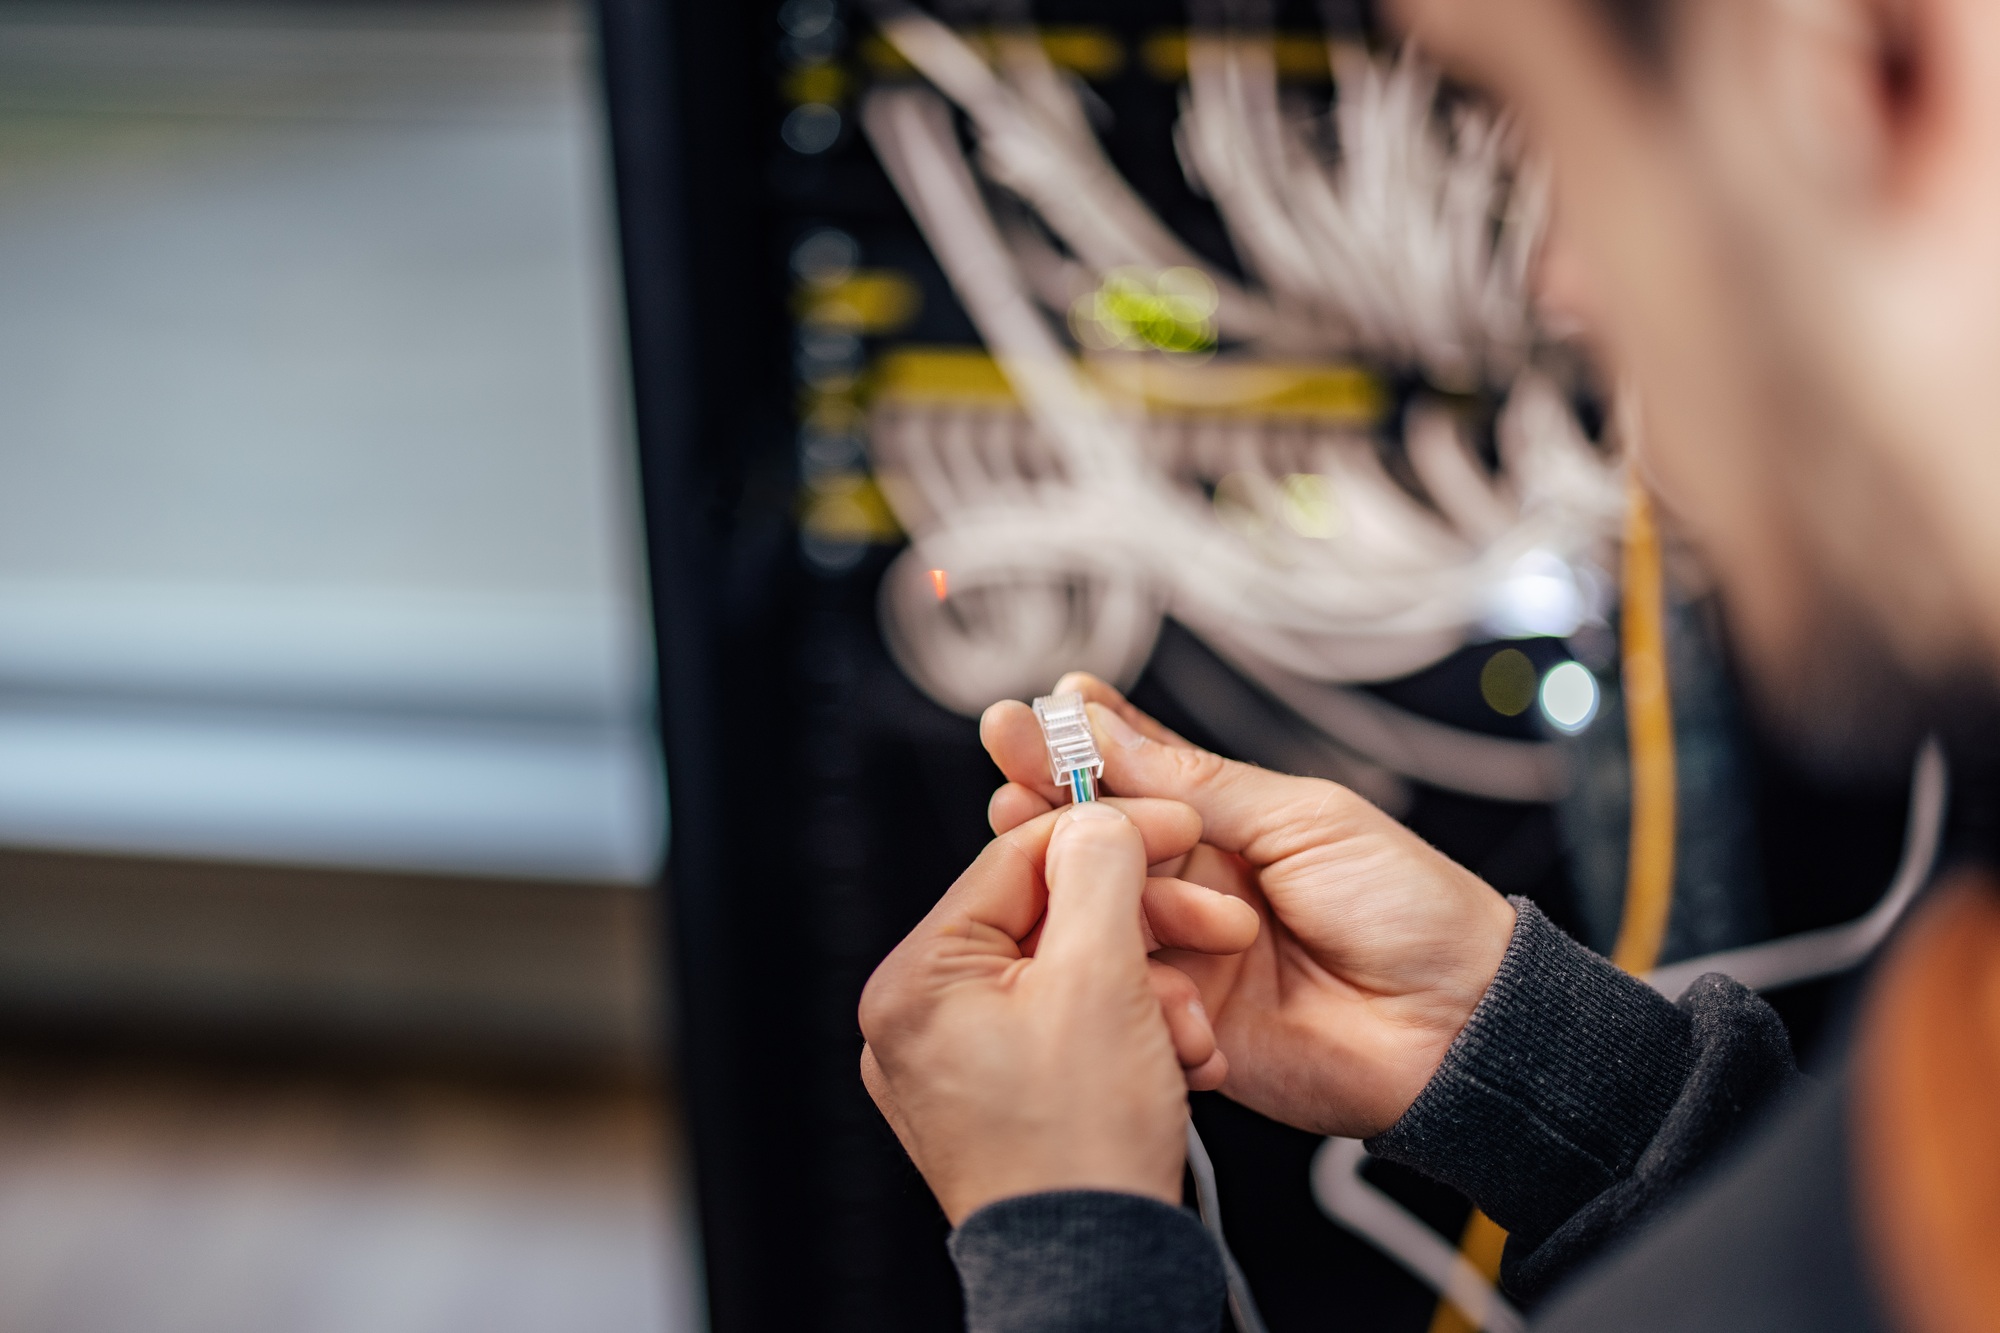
point(1087, 1261)
point(1578, 1098)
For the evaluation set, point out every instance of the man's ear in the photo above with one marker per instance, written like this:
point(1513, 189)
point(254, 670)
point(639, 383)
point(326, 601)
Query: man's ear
point(1859, 96)
point(1826, 82)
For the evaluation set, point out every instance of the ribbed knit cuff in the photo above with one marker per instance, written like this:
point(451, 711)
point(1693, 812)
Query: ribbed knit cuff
point(1087, 1261)
point(1561, 1077)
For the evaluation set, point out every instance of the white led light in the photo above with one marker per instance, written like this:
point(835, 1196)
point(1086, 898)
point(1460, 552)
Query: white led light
point(1539, 596)
point(1569, 697)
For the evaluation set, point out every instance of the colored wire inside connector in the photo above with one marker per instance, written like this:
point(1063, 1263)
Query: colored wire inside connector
point(1073, 758)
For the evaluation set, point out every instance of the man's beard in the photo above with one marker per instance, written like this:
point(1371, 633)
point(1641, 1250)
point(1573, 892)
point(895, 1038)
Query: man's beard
point(1846, 707)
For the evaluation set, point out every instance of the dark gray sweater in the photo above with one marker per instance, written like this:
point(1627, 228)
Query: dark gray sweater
point(1574, 1107)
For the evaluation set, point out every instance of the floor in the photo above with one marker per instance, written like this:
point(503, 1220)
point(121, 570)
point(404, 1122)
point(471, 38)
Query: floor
point(162, 1198)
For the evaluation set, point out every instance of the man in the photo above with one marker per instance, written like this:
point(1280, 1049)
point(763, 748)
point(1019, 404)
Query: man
point(1786, 214)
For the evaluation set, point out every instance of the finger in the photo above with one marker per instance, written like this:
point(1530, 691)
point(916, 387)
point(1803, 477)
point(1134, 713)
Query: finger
point(1004, 887)
point(1224, 872)
point(1215, 976)
point(1013, 738)
point(1184, 915)
point(1096, 875)
point(1244, 809)
point(1210, 1075)
point(1167, 829)
point(1095, 691)
point(1001, 890)
point(1187, 1021)
point(1014, 805)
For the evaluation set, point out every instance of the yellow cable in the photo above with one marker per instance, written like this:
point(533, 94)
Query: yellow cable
point(1649, 730)
point(1481, 1245)
point(1649, 875)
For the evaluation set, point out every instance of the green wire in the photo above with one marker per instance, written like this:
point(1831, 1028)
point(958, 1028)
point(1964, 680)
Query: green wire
point(1081, 787)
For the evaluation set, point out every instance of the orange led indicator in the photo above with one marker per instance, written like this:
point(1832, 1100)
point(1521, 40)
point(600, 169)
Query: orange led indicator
point(939, 582)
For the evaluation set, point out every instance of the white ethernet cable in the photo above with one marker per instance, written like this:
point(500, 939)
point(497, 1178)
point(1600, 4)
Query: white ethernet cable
point(1035, 139)
point(1382, 233)
point(1812, 954)
point(1417, 238)
point(1243, 1310)
point(1075, 763)
point(1346, 1196)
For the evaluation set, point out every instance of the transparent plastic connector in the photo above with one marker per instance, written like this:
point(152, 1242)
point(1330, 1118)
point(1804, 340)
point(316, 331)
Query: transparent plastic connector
point(1073, 758)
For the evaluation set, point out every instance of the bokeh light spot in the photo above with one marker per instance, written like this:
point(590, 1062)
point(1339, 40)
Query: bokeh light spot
point(1507, 682)
point(1311, 508)
point(1169, 311)
point(1569, 697)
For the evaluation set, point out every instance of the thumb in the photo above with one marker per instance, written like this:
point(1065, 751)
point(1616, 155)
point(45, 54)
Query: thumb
point(1096, 875)
point(1244, 809)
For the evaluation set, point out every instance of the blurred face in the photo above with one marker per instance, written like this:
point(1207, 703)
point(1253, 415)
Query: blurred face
point(1782, 215)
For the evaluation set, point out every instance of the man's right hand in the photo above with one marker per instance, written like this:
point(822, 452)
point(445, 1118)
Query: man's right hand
point(1375, 948)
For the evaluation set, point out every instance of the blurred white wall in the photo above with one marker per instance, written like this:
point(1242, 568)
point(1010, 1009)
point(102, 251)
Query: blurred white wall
point(318, 529)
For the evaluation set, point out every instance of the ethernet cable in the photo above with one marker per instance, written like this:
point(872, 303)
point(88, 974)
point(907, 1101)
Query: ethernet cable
point(1035, 140)
point(1831, 950)
point(1243, 1310)
point(1348, 1197)
point(1075, 763)
point(1408, 243)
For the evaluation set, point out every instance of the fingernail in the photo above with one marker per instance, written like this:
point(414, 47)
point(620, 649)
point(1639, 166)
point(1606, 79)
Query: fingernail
point(1093, 810)
point(1111, 727)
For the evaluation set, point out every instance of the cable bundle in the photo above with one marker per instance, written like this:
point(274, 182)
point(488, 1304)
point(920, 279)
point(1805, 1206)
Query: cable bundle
point(1100, 492)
